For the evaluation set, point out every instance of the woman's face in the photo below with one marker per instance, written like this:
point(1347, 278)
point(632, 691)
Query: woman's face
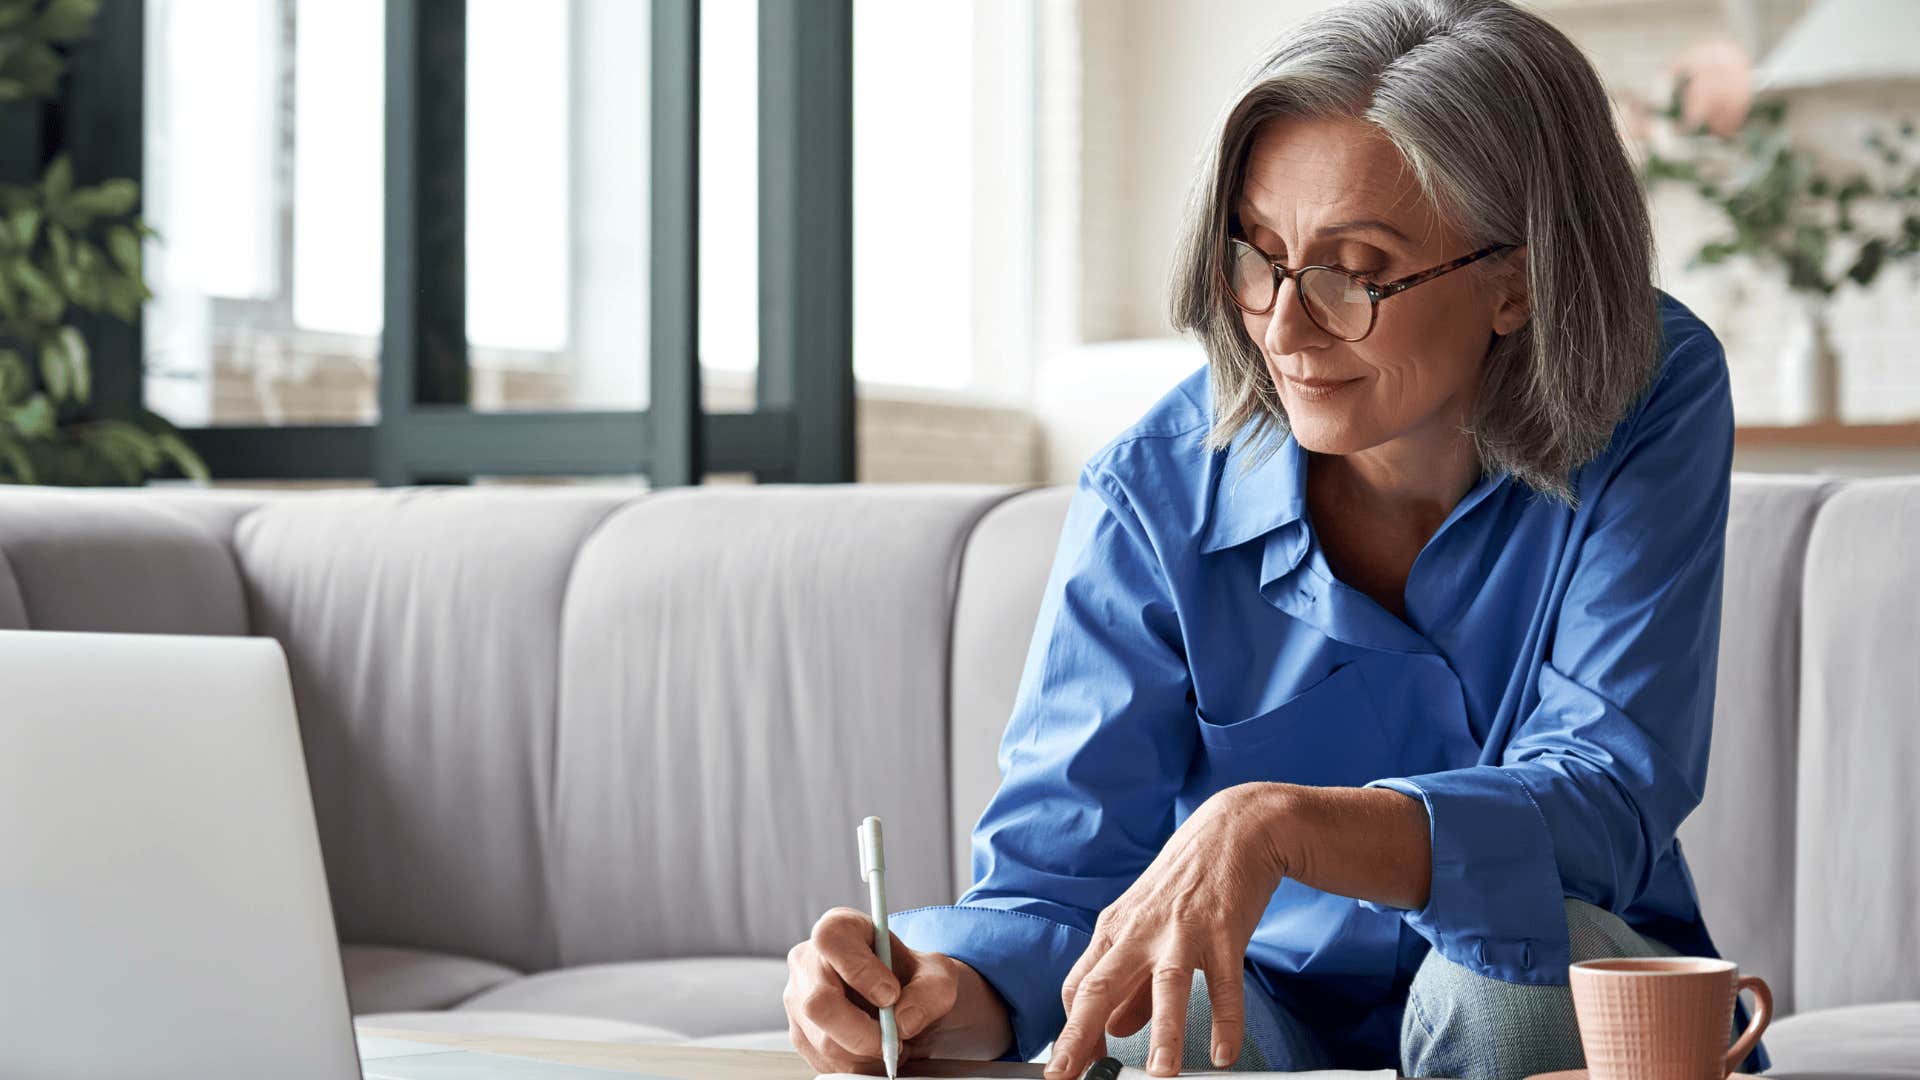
point(1338, 193)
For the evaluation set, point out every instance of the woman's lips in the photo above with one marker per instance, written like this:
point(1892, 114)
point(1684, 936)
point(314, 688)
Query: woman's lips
point(1317, 389)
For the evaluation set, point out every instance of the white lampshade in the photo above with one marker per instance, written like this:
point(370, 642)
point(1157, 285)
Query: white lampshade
point(1846, 41)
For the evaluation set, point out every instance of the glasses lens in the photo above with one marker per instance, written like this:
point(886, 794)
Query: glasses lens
point(1337, 302)
point(1251, 276)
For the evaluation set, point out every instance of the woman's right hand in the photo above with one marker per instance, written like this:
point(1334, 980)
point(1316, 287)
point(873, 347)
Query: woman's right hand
point(835, 984)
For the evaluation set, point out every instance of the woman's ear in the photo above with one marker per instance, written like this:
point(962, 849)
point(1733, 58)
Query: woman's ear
point(1513, 295)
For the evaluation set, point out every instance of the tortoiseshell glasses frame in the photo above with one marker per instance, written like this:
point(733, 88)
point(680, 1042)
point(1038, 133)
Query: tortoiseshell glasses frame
point(1237, 249)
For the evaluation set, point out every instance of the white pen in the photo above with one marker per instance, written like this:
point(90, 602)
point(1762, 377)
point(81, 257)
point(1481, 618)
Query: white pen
point(873, 871)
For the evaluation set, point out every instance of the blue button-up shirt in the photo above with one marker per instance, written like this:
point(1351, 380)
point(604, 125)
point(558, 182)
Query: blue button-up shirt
point(1548, 697)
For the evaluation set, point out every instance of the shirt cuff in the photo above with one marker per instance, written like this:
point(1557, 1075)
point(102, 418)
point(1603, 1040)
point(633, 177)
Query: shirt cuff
point(1023, 957)
point(1496, 906)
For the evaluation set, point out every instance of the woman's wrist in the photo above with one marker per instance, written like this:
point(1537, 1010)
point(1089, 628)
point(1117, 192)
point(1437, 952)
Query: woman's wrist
point(1275, 846)
point(1367, 843)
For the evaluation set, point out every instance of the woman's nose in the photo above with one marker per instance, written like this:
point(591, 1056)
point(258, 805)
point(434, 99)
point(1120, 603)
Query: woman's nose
point(1288, 328)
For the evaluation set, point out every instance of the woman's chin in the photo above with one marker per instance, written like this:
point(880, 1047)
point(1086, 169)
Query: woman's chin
point(1321, 433)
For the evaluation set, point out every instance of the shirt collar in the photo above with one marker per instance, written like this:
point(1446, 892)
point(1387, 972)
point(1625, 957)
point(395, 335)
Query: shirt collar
point(1264, 498)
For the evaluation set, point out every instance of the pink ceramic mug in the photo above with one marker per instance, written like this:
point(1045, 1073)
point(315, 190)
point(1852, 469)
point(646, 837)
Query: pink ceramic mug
point(1664, 1018)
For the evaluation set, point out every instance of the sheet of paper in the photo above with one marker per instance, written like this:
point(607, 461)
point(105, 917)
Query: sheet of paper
point(398, 1059)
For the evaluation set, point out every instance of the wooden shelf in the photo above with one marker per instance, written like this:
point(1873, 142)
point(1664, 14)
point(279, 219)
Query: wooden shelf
point(1829, 436)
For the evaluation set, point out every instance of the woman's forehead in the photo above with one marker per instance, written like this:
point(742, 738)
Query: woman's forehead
point(1330, 176)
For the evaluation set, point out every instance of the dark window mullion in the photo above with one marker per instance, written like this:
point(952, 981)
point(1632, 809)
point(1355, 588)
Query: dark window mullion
point(674, 407)
point(101, 119)
point(423, 350)
point(806, 230)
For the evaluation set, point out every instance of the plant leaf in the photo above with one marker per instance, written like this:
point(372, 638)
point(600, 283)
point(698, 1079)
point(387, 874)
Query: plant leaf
point(67, 20)
point(15, 380)
point(1867, 265)
point(81, 359)
point(111, 197)
point(58, 182)
point(15, 12)
point(9, 301)
point(55, 373)
point(132, 452)
point(39, 67)
point(22, 223)
point(45, 301)
point(16, 460)
point(124, 245)
point(35, 418)
point(182, 456)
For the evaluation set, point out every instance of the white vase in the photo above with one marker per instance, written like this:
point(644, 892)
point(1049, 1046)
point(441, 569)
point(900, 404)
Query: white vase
point(1808, 369)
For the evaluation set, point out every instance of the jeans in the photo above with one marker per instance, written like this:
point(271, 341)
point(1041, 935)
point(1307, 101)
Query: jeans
point(1457, 1023)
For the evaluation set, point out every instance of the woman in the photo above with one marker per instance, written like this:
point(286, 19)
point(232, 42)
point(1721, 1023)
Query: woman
point(1375, 670)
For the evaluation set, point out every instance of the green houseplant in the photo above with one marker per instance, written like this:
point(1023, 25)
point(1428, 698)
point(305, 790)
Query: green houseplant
point(1781, 208)
point(66, 249)
point(1821, 227)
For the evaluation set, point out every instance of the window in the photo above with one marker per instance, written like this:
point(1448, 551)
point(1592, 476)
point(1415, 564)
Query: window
point(479, 264)
point(943, 193)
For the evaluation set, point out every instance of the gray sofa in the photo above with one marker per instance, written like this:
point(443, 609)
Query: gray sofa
point(587, 762)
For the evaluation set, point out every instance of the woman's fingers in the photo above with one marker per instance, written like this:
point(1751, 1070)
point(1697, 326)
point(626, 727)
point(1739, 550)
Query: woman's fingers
point(844, 938)
point(928, 996)
point(1133, 1014)
point(1095, 951)
point(822, 1053)
point(1098, 995)
point(1172, 985)
point(1229, 1005)
point(833, 1017)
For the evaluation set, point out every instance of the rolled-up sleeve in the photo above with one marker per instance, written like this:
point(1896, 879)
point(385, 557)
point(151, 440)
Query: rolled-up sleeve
point(1588, 792)
point(1098, 743)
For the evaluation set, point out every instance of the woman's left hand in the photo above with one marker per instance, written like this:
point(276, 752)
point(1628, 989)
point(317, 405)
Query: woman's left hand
point(1195, 906)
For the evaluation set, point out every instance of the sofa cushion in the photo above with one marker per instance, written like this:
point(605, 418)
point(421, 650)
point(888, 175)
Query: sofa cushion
point(1739, 842)
point(1860, 1042)
point(694, 996)
point(421, 628)
point(1858, 882)
point(383, 979)
point(746, 673)
point(1001, 579)
point(118, 561)
point(505, 1025)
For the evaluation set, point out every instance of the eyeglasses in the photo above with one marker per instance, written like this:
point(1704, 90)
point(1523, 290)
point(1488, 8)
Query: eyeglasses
point(1338, 301)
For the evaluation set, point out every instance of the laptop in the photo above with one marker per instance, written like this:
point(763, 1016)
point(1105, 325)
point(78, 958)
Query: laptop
point(163, 909)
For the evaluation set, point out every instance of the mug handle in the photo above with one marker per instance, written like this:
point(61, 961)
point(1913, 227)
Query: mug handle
point(1762, 1016)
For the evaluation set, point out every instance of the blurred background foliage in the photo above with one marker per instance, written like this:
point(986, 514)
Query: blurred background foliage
point(66, 248)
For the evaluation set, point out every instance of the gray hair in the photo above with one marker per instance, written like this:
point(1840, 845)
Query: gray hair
point(1511, 138)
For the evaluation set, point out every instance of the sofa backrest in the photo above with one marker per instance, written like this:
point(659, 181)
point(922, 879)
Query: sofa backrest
point(422, 631)
point(554, 726)
point(119, 561)
point(1856, 917)
point(1739, 842)
point(746, 673)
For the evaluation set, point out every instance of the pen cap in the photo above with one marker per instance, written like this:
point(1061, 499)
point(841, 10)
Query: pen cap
point(871, 856)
